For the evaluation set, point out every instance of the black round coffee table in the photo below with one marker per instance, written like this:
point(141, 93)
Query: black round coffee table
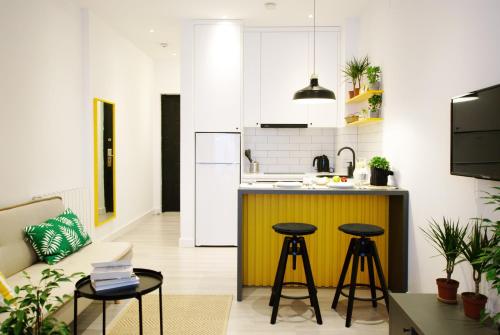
point(149, 281)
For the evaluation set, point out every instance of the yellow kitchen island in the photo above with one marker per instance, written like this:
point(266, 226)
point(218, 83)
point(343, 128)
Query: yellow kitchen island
point(260, 206)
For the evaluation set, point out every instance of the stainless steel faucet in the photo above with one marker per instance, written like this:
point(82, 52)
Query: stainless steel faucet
point(352, 165)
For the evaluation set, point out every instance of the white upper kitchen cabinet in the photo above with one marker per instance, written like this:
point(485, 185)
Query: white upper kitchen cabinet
point(283, 71)
point(217, 76)
point(251, 79)
point(327, 69)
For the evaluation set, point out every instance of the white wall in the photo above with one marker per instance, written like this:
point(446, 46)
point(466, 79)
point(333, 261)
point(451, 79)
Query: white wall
point(430, 51)
point(121, 73)
point(41, 88)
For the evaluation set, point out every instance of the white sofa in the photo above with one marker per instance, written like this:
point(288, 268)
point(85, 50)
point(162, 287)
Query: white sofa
point(17, 255)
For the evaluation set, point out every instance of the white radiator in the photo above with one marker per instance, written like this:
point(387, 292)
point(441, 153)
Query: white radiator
point(78, 200)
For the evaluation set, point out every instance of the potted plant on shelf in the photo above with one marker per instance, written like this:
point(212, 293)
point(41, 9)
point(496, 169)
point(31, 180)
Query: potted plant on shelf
point(375, 104)
point(447, 239)
point(354, 71)
point(373, 74)
point(473, 249)
point(32, 301)
point(379, 168)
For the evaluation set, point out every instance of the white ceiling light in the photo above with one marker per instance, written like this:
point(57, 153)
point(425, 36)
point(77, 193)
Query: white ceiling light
point(270, 5)
point(151, 30)
point(310, 16)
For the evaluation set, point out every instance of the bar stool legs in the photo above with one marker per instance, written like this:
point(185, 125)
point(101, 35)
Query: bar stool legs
point(294, 246)
point(361, 248)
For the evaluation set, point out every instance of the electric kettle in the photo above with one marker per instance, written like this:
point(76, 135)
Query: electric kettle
point(321, 163)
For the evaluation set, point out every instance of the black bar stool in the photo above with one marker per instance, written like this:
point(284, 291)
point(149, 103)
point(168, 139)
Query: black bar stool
point(360, 248)
point(295, 245)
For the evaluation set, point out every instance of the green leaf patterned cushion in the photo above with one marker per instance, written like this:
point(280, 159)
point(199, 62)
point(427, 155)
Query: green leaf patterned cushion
point(58, 237)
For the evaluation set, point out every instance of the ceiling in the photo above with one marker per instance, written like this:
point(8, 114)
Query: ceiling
point(134, 19)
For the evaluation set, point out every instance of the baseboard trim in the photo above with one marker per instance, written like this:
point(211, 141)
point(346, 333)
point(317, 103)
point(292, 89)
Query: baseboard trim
point(126, 228)
point(186, 242)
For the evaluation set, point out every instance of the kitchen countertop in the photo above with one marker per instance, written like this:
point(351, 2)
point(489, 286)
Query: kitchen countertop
point(267, 187)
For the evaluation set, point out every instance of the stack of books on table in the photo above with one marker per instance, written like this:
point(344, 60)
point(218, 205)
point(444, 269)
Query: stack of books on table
point(113, 276)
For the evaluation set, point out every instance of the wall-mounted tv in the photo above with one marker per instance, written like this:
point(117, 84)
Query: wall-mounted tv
point(475, 134)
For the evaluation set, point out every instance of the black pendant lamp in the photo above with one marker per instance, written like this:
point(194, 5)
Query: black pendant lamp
point(313, 93)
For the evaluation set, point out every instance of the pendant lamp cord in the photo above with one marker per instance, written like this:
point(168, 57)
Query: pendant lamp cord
point(314, 38)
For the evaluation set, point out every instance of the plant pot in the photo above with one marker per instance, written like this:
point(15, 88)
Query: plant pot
point(379, 176)
point(356, 91)
point(447, 290)
point(375, 113)
point(375, 86)
point(473, 304)
point(351, 94)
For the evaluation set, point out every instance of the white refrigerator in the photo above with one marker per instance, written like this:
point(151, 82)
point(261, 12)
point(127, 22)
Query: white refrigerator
point(217, 179)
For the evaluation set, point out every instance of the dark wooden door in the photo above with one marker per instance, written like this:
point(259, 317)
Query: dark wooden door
point(170, 152)
point(108, 154)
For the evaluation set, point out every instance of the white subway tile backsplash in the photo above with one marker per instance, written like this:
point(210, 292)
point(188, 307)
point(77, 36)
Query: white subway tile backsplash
point(311, 131)
point(322, 139)
point(311, 146)
point(288, 146)
point(293, 150)
point(278, 139)
point(301, 139)
point(289, 150)
point(265, 146)
point(300, 154)
point(289, 131)
point(279, 154)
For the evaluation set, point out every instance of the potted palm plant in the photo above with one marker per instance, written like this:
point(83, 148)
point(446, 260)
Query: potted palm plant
point(473, 249)
point(379, 171)
point(447, 238)
point(354, 71)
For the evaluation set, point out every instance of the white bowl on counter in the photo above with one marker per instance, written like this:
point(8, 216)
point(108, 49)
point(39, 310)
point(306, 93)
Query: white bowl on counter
point(288, 184)
point(347, 184)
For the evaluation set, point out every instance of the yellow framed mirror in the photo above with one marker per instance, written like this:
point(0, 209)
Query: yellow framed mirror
point(104, 162)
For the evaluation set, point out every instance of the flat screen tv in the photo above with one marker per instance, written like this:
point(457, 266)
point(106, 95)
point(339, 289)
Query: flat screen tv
point(475, 134)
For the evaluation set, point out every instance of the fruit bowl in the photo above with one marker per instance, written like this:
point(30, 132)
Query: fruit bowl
point(346, 184)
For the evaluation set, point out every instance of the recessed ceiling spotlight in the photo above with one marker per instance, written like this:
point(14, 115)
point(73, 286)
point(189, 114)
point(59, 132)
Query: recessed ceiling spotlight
point(151, 30)
point(270, 5)
point(224, 17)
point(164, 44)
point(174, 54)
point(310, 16)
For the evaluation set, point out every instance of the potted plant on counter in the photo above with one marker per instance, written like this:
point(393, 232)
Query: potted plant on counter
point(447, 239)
point(375, 103)
point(379, 168)
point(473, 249)
point(373, 74)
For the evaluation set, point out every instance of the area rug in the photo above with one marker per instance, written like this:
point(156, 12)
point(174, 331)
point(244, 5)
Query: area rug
point(182, 314)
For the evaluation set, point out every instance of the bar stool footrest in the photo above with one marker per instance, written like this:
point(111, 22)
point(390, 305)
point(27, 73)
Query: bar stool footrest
point(295, 298)
point(362, 299)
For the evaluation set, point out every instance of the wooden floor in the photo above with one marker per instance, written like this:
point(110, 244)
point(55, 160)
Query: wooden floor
point(213, 271)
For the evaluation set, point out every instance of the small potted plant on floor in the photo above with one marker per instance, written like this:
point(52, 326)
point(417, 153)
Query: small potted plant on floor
point(32, 301)
point(375, 104)
point(379, 168)
point(447, 239)
point(473, 249)
point(373, 74)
